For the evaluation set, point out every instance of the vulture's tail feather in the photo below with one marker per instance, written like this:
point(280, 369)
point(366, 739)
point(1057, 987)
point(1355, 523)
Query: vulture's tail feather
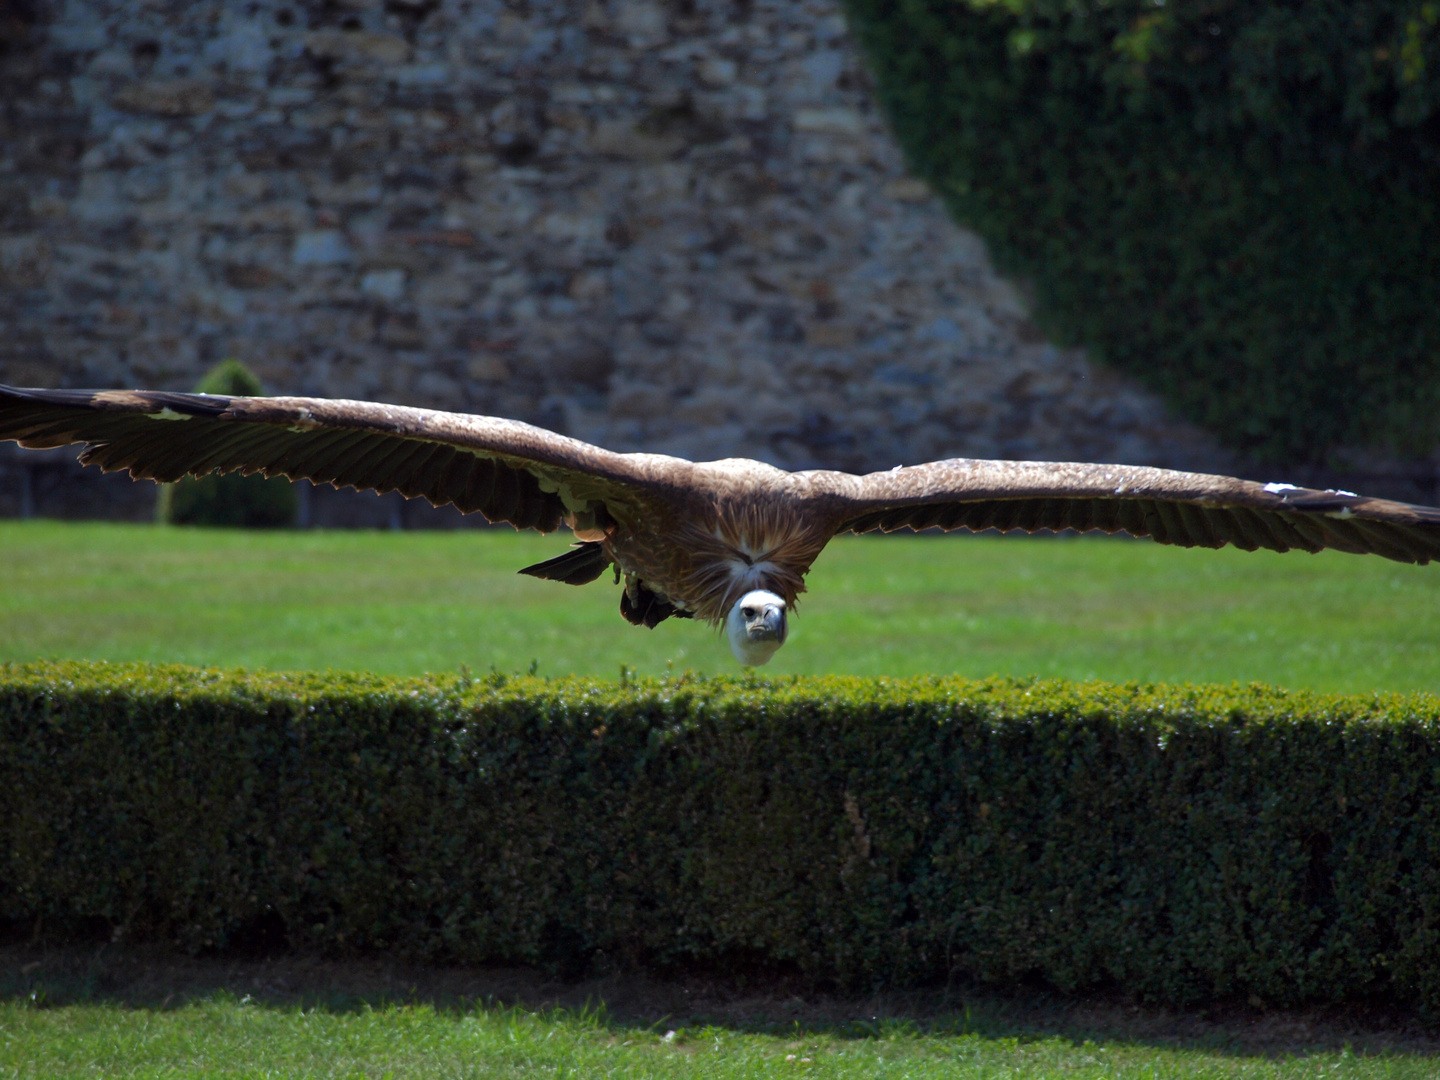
point(582, 564)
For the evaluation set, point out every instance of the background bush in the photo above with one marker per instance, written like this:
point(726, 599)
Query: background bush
point(231, 500)
point(1181, 844)
point(1233, 200)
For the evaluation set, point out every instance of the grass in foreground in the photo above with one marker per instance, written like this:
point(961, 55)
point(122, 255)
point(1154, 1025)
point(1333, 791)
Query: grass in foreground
point(405, 603)
point(77, 1016)
point(226, 1037)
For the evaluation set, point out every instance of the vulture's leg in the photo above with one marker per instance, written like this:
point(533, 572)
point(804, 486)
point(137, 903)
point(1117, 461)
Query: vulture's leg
point(647, 609)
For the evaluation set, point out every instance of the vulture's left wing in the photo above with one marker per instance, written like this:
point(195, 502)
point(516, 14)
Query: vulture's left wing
point(507, 470)
point(1189, 509)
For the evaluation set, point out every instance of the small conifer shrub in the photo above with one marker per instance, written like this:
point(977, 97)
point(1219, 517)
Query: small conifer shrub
point(251, 502)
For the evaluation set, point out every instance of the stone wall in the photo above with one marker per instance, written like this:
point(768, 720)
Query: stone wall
point(679, 227)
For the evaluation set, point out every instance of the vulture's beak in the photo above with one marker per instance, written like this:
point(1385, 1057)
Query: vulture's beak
point(767, 624)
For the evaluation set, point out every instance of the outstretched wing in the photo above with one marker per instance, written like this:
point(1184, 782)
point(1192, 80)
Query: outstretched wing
point(507, 470)
point(1189, 509)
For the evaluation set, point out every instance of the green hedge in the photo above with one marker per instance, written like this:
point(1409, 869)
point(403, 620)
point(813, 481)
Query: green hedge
point(1180, 843)
point(1233, 200)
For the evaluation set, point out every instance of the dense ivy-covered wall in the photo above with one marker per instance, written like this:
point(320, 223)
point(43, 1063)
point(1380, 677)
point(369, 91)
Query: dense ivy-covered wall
point(1232, 199)
point(1181, 843)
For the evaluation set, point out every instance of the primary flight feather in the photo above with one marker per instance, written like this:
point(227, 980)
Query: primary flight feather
point(726, 541)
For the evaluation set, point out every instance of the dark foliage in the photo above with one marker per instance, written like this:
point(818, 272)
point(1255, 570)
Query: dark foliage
point(1233, 200)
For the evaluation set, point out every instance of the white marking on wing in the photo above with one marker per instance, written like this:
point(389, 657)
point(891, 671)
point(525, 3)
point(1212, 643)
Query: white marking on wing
point(304, 421)
point(1276, 489)
point(168, 413)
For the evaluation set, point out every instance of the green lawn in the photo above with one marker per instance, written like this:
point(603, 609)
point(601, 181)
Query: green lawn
point(225, 1036)
point(405, 603)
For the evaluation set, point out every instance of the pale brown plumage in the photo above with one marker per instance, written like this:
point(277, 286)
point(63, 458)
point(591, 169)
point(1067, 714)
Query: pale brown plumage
point(689, 537)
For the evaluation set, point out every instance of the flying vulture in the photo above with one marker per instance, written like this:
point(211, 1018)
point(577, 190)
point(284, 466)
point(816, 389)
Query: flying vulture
point(726, 541)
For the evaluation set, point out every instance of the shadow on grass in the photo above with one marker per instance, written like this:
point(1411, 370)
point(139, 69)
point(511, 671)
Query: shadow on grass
point(135, 977)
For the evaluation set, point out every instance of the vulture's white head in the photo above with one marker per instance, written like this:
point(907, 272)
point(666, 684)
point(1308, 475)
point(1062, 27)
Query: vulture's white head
point(756, 627)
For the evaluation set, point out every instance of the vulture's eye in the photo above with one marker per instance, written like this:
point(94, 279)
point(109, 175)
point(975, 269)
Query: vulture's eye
point(748, 612)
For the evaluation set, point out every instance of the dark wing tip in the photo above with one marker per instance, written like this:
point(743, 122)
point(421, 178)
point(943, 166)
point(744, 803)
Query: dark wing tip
point(56, 397)
point(121, 400)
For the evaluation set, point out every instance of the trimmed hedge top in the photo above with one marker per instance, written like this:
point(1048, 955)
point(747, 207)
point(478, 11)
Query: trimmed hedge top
point(750, 696)
point(1183, 843)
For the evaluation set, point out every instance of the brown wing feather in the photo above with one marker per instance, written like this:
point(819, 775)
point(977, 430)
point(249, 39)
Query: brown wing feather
point(506, 470)
point(1189, 509)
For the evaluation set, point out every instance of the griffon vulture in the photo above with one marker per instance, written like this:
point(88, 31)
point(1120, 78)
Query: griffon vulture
point(726, 541)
